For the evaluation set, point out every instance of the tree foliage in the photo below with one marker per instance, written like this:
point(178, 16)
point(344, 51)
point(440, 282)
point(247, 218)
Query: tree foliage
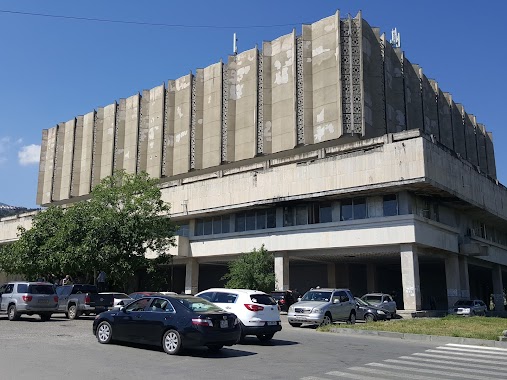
point(253, 270)
point(112, 231)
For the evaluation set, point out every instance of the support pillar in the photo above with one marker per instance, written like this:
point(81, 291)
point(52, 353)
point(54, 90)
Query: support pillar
point(410, 277)
point(191, 276)
point(452, 279)
point(498, 287)
point(463, 277)
point(371, 278)
point(331, 275)
point(282, 271)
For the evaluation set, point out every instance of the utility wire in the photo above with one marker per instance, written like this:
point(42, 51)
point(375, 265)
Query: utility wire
point(141, 22)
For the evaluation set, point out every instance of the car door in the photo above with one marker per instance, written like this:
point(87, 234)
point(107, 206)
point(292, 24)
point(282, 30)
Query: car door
point(6, 296)
point(131, 324)
point(334, 307)
point(2, 291)
point(63, 293)
point(157, 315)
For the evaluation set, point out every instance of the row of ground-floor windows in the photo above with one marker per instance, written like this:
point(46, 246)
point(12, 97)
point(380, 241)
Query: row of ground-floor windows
point(293, 215)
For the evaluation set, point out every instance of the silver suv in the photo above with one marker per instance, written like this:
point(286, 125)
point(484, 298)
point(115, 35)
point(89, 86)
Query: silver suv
point(23, 297)
point(322, 306)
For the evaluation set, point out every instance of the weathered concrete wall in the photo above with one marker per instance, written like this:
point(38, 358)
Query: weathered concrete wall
point(170, 118)
point(43, 167)
point(57, 175)
point(131, 135)
point(444, 120)
point(480, 135)
point(196, 132)
point(458, 129)
point(429, 99)
point(181, 151)
point(394, 91)
point(119, 136)
point(412, 95)
point(212, 116)
point(154, 138)
point(471, 144)
point(86, 158)
point(76, 157)
point(491, 155)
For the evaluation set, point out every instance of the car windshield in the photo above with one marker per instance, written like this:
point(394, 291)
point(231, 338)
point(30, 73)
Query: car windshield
point(198, 304)
point(362, 302)
point(464, 303)
point(41, 289)
point(277, 296)
point(372, 299)
point(313, 295)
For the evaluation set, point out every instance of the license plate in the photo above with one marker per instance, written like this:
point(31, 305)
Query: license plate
point(43, 301)
point(272, 323)
point(224, 324)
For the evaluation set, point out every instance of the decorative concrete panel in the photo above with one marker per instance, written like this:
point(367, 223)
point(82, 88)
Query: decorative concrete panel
point(211, 119)
point(132, 117)
point(324, 45)
point(154, 138)
point(196, 136)
point(242, 115)
point(373, 82)
point(304, 65)
point(50, 165)
point(119, 135)
point(481, 148)
point(42, 167)
point(98, 135)
point(107, 154)
point(87, 148)
point(490, 151)
point(394, 92)
point(430, 111)
point(280, 92)
point(57, 172)
point(67, 159)
point(412, 95)
point(444, 120)
point(143, 132)
point(182, 98)
point(76, 158)
point(471, 143)
point(458, 129)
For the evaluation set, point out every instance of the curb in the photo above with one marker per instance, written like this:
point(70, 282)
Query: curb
point(422, 338)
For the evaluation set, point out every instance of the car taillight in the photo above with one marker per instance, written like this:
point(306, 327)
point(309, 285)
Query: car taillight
point(55, 298)
point(202, 322)
point(252, 307)
point(27, 298)
point(87, 299)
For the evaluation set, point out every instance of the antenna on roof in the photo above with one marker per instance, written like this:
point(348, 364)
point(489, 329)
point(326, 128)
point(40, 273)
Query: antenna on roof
point(234, 45)
point(395, 38)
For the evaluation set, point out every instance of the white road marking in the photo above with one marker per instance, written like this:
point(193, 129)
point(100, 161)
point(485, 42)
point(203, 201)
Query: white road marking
point(401, 369)
point(456, 367)
point(500, 362)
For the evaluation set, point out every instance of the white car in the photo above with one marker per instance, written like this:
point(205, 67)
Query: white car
point(257, 311)
point(120, 299)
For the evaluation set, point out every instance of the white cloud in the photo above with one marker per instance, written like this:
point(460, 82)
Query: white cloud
point(29, 154)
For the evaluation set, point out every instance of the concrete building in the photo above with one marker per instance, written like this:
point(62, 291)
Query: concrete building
point(330, 148)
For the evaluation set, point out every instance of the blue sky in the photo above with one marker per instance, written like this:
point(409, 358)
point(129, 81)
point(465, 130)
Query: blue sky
point(53, 69)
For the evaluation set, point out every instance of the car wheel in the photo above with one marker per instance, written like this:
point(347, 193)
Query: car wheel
point(12, 314)
point(215, 347)
point(265, 337)
point(104, 332)
point(171, 342)
point(295, 324)
point(352, 318)
point(73, 313)
point(45, 317)
point(369, 318)
point(242, 333)
point(327, 320)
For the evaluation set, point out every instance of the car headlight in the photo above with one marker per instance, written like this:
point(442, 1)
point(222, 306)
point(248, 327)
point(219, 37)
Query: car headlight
point(317, 311)
point(466, 310)
point(380, 312)
point(291, 309)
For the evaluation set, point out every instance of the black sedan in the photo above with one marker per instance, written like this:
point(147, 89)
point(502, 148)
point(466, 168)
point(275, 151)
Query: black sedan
point(175, 322)
point(370, 313)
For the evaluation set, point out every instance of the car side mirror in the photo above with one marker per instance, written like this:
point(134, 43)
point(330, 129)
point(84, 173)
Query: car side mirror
point(299, 299)
point(123, 309)
point(336, 300)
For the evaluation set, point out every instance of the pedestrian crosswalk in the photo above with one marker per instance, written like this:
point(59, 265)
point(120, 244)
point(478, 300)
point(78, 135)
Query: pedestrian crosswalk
point(451, 361)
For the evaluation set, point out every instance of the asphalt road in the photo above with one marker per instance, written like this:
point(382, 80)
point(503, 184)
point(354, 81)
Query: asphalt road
point(60, 348)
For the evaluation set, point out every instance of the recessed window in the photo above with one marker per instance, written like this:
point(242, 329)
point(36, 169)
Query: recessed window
point(346, 210)
point(353, 209)
point(390, 205)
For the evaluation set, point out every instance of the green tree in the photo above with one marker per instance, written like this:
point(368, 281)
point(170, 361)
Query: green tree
point(252, 270)
point(112, 231)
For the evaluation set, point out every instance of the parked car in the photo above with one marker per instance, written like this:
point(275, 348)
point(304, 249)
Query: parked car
point(284, 298)
point(322, 306)
point(137, 295)
point(257, 311)
point(370, 313)
point(119, 299)
point(385, 301)
point(77, 299)
point(469, 308)
point(175, 322)
point(23, 297)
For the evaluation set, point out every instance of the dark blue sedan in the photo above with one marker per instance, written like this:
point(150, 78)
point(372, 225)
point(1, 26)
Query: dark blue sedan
point(175, 322)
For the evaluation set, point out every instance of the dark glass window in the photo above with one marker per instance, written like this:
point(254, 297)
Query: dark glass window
point(288, 216)
point(390, 205)
point(22, 288)
point(346, 209)
point(250, 220)
point(208, 227)
point(183, 230)
point(217, 225)
point(261, 220)
point(301, 215)
point(271, 218)
point(226, 224)
point(199, 227)
point(325, 213)
point(359, 208)
point(240, 222)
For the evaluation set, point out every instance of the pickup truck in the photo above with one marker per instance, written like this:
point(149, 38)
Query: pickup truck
point(77, 299)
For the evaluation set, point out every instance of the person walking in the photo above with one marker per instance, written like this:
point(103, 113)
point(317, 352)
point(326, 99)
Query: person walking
point(101, 281)
point(67, 280)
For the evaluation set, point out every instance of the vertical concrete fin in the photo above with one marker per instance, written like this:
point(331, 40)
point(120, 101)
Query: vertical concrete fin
point(131, 136)
point(413, 100)
point(154, 137)
point(42, 167)
point(86, 161)
point(144, 127)
point(481, 147)
point(182, 116)
point(393, 89)
point(211, 115)
point(429, 106)
point(57, 172)
point(490, 151)
point(169, 119)
point(119, 135)
point(458, 130)
point(197, 120)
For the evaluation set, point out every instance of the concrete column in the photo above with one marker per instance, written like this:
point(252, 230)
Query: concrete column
point(282, 271)
point(191, 276)
point(463, 277)
point(331, 275)
point(498, 288)
point(452, 279)
point(410, 277)
point(371, 278)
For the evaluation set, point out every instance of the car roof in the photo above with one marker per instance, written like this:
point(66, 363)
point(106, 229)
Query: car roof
point(328, 289)
point(376, 294)
point(242, 291)
point(29, 282)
